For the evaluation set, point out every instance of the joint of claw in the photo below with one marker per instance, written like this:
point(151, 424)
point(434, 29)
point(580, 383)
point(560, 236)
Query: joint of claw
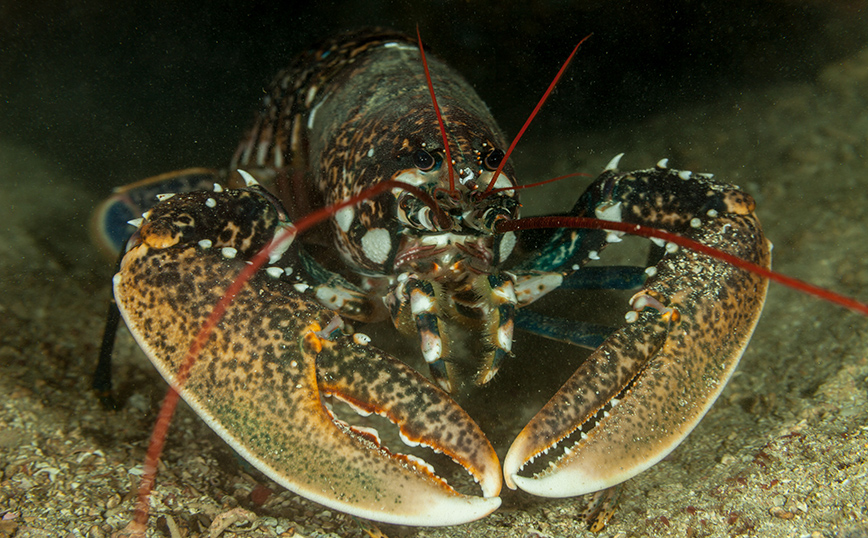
point(314, 334)
point(642, 300)
point(326, 333)
point(310, 340)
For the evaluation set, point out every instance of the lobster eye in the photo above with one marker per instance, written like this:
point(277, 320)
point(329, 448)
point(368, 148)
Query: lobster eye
point(423, 160)
point(493, 160)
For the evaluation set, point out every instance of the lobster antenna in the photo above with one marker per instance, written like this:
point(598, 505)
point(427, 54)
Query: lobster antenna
point(681, 241)
point(437, 111)
point(531, 185)
point(533, 114)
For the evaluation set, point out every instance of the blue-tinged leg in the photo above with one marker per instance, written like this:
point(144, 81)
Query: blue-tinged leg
point(615, 277)
point(577, 333)
point(102, 374)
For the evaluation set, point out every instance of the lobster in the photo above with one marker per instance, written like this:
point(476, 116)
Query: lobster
point(423, 229)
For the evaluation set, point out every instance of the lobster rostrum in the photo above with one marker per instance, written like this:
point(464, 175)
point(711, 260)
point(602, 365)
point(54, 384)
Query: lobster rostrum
point(429, 253)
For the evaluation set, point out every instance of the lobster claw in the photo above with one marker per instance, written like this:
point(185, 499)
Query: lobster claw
point(260, 378)
point(651, 382)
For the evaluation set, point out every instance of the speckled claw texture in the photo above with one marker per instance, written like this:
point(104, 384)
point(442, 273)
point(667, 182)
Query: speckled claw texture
point(260, 380)
point(642, 392)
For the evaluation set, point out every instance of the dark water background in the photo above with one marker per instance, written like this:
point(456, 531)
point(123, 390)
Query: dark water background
point(118, 92)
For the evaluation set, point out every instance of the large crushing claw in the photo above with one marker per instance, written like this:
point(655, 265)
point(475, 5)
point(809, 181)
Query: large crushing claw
point(260, 379)
point(642, 392)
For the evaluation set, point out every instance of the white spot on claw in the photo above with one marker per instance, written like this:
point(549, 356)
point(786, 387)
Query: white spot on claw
point(229, 252)
point(274, 272)
point(205, 243)
point(361, 339)
point(211, 202)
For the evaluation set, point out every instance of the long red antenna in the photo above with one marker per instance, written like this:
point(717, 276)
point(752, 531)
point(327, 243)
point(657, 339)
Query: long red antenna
point(537, 184)
point(437, 111)
point(645, 231)
point(533, 114)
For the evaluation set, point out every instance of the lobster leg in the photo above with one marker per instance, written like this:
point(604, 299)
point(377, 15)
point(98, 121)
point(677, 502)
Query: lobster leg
point(614, 277)
point(577, 333)
point(259, 380)
point(639, 395)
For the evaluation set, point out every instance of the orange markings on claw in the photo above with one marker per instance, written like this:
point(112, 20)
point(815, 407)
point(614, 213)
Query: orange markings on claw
point(311, 342)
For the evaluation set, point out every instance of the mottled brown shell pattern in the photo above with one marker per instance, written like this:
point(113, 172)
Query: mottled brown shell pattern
point(350, 115)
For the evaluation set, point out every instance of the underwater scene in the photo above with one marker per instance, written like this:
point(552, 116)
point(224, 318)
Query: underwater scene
point(728, 103)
